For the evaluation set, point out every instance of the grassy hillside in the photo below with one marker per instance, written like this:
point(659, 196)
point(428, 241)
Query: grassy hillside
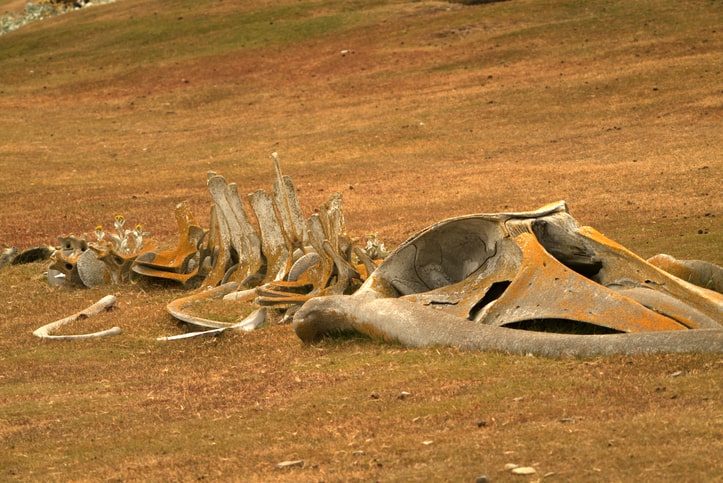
point(434, 109)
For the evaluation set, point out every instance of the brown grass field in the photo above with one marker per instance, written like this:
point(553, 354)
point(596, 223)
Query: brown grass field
point(438, 109)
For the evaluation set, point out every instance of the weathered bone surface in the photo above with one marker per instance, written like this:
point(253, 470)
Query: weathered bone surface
point(698, 272)
point(530, 282)
point(413, 325)
point(252, 322)
point(106, 303)
point(83, 263)
point(283, 261)
point(186, 262)
point(468, 281)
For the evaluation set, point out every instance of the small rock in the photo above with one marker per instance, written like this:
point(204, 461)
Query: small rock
point(358, 453)
point(8, 255)
point(677, 374)
point(427, 443)
point(290, 464)
point(511, 466)
point(481, 479)
point(524, 470)
point(403, 395)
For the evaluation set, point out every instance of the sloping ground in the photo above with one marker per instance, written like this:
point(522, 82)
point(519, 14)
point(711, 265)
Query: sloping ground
point(442, 107)
point(435, 109)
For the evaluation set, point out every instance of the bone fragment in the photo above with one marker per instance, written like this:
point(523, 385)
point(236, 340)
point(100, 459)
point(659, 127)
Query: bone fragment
point(256, 319)
point(106, 303)
point(302, 265)
point(177, 307)
point(177, 259)
point(698, 272)
point(316, 239)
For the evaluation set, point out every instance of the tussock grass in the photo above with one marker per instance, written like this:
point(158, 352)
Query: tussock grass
point(438, 110)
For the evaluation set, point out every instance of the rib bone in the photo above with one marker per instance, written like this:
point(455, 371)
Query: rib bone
point(106, 303)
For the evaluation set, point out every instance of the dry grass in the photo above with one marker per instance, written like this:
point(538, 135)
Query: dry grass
point(441, 109)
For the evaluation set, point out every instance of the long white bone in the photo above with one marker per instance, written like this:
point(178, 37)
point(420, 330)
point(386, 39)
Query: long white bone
point(106, 303)
point(250, 323)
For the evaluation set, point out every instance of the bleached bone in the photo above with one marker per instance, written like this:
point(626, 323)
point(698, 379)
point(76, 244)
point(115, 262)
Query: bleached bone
point(316, 240)
point(518, 270)
point(275, 246)
point(183, 264)
point(177, 307)
point(305, 263)
point(698, 272)
point(332, 270)
point(248, 232)
point(106, 303)
point(92, 270)
point(288, 206)
point(321, 261)
point(413, 325)
point(256, 319)
point(219, 250)
point(63, 269)
point(247, 295)
point(231, 231)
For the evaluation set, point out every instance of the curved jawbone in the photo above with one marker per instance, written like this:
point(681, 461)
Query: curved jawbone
point(467, 281)
point(413, 325)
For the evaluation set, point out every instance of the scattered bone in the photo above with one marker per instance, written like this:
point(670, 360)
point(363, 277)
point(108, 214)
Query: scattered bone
point(255, 320)
point(292, 218)
point(524, 470)
point(82, 263)
point(178, 307)
point(106, 303)
point(63, 269)
point(275, 246)
point(290, 464)
point(303, 265)
point(233, 231)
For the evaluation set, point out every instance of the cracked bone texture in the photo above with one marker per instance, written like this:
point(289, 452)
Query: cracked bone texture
point(474, 278)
